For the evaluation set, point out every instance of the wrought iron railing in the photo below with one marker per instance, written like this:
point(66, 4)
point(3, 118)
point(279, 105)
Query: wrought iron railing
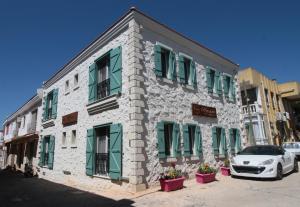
point(102, 163)
point(46, 158)
point(103, 89)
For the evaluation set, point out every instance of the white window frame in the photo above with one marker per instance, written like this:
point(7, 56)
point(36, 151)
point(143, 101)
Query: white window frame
point(191, 59)
point(214, 87)
point(67, 87)
point(73, 139)
point(76, 83)
point(64, 140)
point(230, 86)
point(171, 50)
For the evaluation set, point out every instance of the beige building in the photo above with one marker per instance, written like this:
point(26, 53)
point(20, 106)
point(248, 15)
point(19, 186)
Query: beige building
point(290, 93)
point(262, 108)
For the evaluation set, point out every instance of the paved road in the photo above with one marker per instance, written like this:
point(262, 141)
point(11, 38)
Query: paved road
point(17, 191)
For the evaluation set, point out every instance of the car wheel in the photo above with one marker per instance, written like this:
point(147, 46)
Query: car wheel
point(296, 167)
point(279, 172)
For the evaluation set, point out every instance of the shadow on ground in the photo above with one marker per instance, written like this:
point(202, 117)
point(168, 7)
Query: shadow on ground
point(18, 191)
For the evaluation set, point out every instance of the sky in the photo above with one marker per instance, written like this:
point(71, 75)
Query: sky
point(38, 37)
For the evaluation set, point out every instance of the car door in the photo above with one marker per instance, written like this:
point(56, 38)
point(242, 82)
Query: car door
point(287, 161)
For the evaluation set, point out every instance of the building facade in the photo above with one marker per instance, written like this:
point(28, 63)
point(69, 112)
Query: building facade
point(290, 93)
point(141, 96)
point(2, 151)
point(21, 134)
point(262, 108)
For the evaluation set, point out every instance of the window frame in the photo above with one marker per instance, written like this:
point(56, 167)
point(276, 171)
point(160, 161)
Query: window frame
point(49, 116)
point(64, 140)
point(170, 50)
point(46, 143)
point(105, 57)
point(67, 87)
point(73, 138)
point(188, 80)
point(76, 81)
point(214, 87)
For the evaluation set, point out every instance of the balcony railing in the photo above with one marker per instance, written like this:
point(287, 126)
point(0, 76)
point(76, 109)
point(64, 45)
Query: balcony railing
point(102, 165)
point(31, 127)
point(103, 89)
point(252, 109)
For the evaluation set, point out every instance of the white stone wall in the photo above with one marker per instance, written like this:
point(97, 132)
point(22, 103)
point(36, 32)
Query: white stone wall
point(169, 101)
point(73, 158)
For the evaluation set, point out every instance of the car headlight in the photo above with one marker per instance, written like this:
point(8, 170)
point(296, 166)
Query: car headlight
point(267, 162)
point(232, 161)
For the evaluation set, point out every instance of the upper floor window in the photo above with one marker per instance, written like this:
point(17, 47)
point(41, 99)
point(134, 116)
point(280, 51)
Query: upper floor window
point(67, 86)
point(165, 62)
point(76, 80)
point(213, 80)
point(187, 70)
point(105, 75)
point(50, 105)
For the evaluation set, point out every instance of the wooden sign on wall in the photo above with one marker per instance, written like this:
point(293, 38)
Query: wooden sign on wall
point(200, 110)
point(70, 119)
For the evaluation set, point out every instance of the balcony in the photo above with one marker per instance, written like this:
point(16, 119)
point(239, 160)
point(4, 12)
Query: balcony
point(252, 109)
point(31, 127)
point(103, 89)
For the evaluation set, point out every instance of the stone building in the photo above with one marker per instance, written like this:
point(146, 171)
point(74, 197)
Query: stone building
point(21, 134)
point(138, 98)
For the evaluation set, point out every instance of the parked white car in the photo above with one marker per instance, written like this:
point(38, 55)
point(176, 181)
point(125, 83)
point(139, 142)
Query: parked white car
point(293, 147)
point(263, 161)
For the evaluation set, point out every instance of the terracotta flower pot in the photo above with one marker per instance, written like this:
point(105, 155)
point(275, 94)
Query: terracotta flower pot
point(205, 178)
point(171, 184)
point(225, 171)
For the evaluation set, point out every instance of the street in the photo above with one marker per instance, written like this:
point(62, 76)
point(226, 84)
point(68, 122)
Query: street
point(19, 191)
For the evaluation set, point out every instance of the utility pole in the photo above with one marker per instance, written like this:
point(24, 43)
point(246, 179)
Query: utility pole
point(251, 138)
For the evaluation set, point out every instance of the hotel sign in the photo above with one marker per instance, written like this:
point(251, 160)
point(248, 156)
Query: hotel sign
point(70, 119)
point(200, 110)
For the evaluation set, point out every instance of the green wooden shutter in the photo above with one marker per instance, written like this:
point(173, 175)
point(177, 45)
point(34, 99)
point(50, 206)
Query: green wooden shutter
point(42, 152)
point(232, 141)
point(223, 142)
point(160, 127)
point(218, 83)
point(92, 82)
point(157, 60)
point(116, 70)
point(45, 108)
point(209, 80)
point(90, 152)
point(176, 140)
point(215, 141)
point(193, 74)
point(51, 148)
point(54, 103)
point(225, 85)
point(181, 69)
point(186, 140)
point(172, 64)
point(238, 141)
point(232, 88)
point(198, 141)
point(115, 152)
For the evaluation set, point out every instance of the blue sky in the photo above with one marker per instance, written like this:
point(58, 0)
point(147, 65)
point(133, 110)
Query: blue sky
point(38, 37)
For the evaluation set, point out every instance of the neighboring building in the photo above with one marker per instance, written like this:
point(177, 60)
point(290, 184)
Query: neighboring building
point(121, 111)
point(21, 133)
point(290, 93)
point(263, 108)
point(2, 152)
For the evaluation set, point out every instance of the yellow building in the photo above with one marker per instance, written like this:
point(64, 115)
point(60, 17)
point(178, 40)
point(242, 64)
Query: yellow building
point(290, 93)
point(262, 108)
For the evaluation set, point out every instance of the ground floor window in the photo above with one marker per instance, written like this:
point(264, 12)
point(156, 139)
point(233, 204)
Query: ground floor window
point(235, 141)
point(102, 151)
point(168, 129)
point(192, 140)
point(219, 141)
point(47, 147)
point(46, 151)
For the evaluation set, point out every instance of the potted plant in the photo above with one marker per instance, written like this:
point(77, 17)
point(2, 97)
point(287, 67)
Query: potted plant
point(205, 173)
point(171, 180)
point(225, 169)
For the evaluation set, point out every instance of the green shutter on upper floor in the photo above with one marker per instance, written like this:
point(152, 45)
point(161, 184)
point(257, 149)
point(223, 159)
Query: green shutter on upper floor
point(172, 65)
point(54, 103)
point(223, 142)
point(225, 85)
point(51, 148)
point(238, 142)
point(232, 88)
point(198, 141)
point(90, 152)
point(160, 130)
point(92, 83)
point(116, 70)
point(209, 80)
point(157, 60)
point(232, 141)
point(45, 107)
point(218, 83)
point(176, 140)
point(193, 74)
point(181, 69)
point(186, 140)
point(115, 151)
point(215, 141)
point(42, 152)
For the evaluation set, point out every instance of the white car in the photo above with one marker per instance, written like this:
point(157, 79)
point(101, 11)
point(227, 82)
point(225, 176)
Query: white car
point(293, 147)
point(263, 161)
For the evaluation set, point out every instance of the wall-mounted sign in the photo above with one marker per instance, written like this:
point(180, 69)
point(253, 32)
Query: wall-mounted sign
point(200, 110)
point(70, 119)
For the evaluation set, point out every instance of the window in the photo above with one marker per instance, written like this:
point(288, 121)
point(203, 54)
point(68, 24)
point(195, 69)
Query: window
point(103, 83)
point(165, 54)
point(50, 105)
point(73, 138)
point(226, 85)
point(192, 138)
point(250, 94)
point(102, 151)
point(273, 101)
point(64, 139)
point(76, 80)
point(168, 139)
point(67, 86)
point(219, 141)
point(235, 141)
point(213, 80)
point(165, 62)
point(46, 150)
point(267, 97)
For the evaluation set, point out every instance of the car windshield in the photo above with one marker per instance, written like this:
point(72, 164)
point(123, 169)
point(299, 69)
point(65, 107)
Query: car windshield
point(261, 150)
point(291, 146)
